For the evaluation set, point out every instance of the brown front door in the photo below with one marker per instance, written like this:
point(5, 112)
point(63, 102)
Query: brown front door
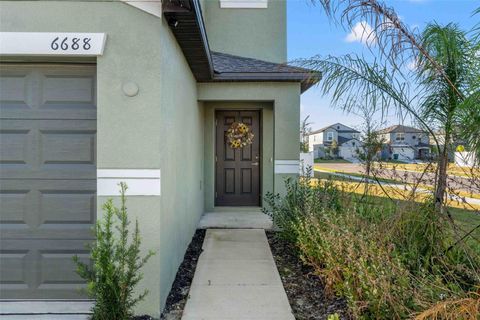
point(237, 170)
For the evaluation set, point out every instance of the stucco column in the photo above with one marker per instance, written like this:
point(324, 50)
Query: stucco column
point(287, 137)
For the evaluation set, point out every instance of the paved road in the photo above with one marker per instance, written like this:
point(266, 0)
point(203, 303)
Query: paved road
point(475, 203)
point(455, 182)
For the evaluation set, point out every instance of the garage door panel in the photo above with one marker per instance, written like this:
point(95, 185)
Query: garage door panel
point(41, 269)
point(48, 149)
point(15, 91)
point(62, 207)
point(48, 92)
point(14, 146)
point(48, 178)
point(68, 147)
point(13, 206)
point(14, 263)
point(47, 209)
point(68, 90)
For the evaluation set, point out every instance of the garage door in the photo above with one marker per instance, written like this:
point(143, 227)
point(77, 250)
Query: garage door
point(47, 177)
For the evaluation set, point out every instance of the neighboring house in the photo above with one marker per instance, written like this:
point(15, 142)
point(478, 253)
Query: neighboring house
point(404, 143)
point(107, 91)
point(347, 139)
point(439, 138)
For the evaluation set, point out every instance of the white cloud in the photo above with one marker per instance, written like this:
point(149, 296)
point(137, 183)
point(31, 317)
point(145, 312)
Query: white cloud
point(362, 32)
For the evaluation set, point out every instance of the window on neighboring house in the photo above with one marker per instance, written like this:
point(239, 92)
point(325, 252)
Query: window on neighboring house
point(244, 4)
point(315, 138)
point(353, 144)
point(329, 136)
point(414, 137)
point(338, 127)
point(400, 136)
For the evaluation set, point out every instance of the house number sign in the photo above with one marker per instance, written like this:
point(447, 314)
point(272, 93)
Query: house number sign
point(52, 43)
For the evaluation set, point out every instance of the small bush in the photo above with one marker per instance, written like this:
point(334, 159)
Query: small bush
point(116, 264)
point(302, 198)
point(356, 264)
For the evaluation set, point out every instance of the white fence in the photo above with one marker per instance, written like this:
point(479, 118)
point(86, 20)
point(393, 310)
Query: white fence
point(306, 160)
point(465, 159)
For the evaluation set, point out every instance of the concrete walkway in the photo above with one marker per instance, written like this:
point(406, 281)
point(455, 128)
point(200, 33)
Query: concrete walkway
point(236, 278)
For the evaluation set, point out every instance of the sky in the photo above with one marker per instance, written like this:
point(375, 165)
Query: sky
point(310, 33)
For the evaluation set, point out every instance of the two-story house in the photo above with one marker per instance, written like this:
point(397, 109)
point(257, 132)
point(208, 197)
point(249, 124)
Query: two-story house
point(93, 93)
point(346, 138)
point(404, 143)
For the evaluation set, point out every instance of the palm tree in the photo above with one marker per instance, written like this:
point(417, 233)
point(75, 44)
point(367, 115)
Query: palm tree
point(440, 92)
point(450, 97)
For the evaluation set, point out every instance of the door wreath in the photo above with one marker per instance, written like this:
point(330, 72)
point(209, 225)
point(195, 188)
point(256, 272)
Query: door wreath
point(239, 135)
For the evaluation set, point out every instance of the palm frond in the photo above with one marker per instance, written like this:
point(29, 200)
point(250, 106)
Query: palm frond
point(353, 82)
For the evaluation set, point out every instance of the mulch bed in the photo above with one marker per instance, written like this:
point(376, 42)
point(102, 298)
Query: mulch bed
point(305, 290)
point(178, 295)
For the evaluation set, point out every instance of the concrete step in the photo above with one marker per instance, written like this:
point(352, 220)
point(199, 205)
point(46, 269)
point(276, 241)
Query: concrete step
point(235, 220)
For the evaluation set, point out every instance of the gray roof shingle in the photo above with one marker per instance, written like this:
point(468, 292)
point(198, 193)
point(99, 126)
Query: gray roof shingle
point(332, 126)
point(229, 67)
point(227, 63)
point(400, 128)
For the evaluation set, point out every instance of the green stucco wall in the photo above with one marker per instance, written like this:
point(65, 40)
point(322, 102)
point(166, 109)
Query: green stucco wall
point(141, 132)
point(255, 33)
point(181, 133)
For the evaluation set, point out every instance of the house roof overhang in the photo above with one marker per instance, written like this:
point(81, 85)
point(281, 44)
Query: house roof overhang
point(186, 22)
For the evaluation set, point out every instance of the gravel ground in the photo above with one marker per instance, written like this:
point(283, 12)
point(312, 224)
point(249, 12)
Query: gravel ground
point(179, 293)
point(305, 290)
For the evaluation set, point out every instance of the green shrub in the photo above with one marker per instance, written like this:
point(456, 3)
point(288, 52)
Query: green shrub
point(116, 264)
point(334, 316)
point(355, 263)
point(302, 197)
point(388, 260)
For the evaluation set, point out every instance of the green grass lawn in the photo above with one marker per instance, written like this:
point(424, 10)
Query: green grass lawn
point(467, 220)
point(331, 161)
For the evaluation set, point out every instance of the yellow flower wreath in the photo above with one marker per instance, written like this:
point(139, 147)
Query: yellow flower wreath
point(239, 135)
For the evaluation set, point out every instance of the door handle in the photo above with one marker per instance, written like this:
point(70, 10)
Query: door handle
point(254, 163)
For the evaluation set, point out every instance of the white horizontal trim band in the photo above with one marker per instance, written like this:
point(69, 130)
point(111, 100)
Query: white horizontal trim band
point(128, 173)
point(52, 43)
point(140, 182)
point(287, 166)
point(287, 162)
point(244, 4)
